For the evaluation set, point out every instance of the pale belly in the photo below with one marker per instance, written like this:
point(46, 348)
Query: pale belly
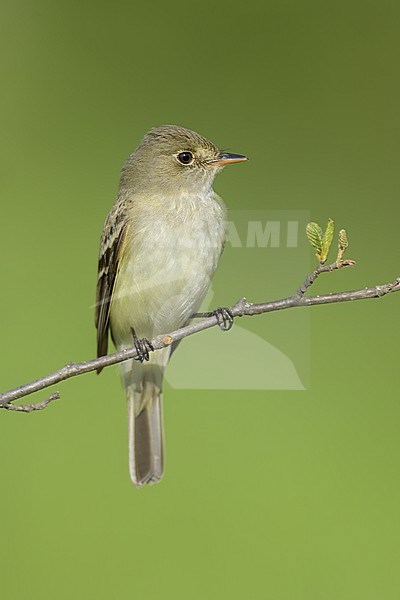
point(166, 272)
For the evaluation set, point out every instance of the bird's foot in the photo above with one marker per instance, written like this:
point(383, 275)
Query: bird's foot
point(143, 347)
point(224, 317)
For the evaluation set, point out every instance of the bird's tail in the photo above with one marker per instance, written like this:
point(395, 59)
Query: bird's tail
point(143, 383)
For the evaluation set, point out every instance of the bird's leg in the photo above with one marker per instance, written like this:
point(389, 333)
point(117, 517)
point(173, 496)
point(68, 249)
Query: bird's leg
point(224, 317)
point(143, 347)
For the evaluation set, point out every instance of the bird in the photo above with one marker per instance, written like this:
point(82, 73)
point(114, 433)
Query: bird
point(159, 249)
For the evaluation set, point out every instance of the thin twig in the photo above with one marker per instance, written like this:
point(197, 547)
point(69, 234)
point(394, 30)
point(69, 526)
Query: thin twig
point(322, 269)
point(240, 309)
point(27, 408)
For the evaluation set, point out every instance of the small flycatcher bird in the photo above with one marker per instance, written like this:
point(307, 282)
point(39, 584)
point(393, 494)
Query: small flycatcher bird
point(159, 249)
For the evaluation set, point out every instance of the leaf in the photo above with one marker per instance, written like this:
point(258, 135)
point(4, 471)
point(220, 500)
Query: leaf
point(327, 240)
point(314, 235)
point(343, 244)
point(343, 241)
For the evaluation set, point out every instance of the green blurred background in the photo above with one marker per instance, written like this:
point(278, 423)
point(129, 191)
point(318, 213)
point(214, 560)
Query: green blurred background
point(285, 495)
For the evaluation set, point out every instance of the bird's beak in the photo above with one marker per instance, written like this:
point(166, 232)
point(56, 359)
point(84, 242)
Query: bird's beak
point(225, 158)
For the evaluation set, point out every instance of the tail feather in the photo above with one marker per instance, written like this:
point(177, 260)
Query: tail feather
point(143, 386)
point(146, 435)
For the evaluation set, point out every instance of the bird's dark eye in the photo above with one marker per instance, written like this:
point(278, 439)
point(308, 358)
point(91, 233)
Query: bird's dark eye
point(185, 158)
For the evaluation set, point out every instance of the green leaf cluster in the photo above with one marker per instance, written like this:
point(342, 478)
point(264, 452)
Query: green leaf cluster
point(322, 240)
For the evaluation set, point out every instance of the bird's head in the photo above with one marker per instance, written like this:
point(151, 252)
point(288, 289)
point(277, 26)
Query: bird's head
point(175, 159)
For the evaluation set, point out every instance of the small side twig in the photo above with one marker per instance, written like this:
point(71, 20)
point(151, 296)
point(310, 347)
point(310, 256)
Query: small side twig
point(322, 269)
point(27, 408)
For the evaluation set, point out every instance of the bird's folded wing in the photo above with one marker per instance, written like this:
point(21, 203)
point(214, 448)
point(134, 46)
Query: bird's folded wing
point(111, 245)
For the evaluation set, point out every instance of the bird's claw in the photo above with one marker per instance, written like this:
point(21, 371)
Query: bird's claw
point(143, 347)
point(224, 317)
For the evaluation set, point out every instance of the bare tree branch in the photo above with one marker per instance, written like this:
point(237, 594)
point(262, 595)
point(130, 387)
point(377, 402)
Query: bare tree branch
point(209, 319)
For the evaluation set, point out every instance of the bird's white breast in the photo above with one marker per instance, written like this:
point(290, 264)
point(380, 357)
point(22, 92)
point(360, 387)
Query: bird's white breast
point(170, 255)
